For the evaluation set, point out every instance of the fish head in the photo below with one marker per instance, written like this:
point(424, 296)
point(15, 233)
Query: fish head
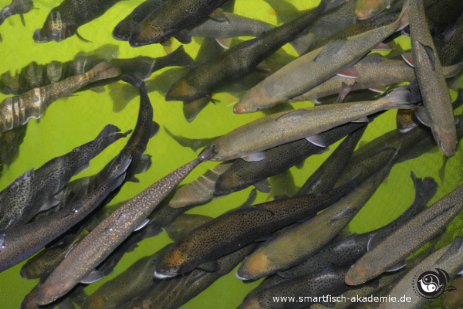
point(172, 264)
point(446, 140)
point(357, 275)
point(369, 8)
point(124, 29)
point(54, 29)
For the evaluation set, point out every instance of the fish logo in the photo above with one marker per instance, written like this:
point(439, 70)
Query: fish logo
point(432, 284)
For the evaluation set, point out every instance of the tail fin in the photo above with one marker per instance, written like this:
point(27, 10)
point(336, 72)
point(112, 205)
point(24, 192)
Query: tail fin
point(102, 71)
point(179, 57)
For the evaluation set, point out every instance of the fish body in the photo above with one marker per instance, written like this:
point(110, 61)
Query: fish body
point(369, 8)
point(31, 191)
point(448, 258)
point(19, 109)
point(344, 251)
point(242, 174)
point(171, 18)
point(63, 20)
point(284, 127)
point(125, 27)
point(99, 244)
point(240, 59)
point(414, 234)
point(292, 80)
point(297, 244)
point(436, 98)
point(23, 242)
point(16, 7)
point(237, 228)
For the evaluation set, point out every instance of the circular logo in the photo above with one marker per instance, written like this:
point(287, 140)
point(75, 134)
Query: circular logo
point(431, 284)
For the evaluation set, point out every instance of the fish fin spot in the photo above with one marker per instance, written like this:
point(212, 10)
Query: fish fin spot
point(382, 46)
point(421, 114)
point(254, 157)
point(363, 119)
point(397, 266)
point(344, 213)
point(378, 89)
point(317, 140)
point(94, 276)
point(408, 58)
point(219, 15)
point(224, 43)
point(373, 242)
point(210, 266)
point(431, 55)
point(142, 225)
point(350, 72)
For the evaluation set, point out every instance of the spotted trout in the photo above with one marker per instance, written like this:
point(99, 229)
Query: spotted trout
point(438, 112)
point(99, 244)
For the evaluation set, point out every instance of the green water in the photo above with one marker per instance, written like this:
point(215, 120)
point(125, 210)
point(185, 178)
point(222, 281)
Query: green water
point(73, 121)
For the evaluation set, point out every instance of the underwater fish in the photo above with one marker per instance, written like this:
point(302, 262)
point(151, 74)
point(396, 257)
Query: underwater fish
point(94, 248)
point(17, 110)
point(171, 18)
point(312, 288)
point(438, 112)
point(201, 190)
point(406, 239)
point(297, 244)
point(202, 80)
point(34, 190)
point(22, 242)
point(242, 174)
point(448, 258)
point(172, 293)
point(348, 249)
point(324, 63)
point(16, 7)
point(325, 177)
point(369, 8)
point(62, 21)
point(250, 139)
point(203, 246)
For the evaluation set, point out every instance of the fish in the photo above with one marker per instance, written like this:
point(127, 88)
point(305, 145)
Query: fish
point(345, 250)
point(325, 62)
point(169, 19)
point(243, 226)
point(448, 258)
point(22, 242)
point(298, 244)
point(65, 303)
point(125, 27)
point(242, 174)
point(325, 177)
point(9, 146)
point(369, 8)
point(112, 231)
point(202, 80)
point(429, 223)
point(284, 127)
point(16, 7)
point(314, 287)
point(174, 292)
point(34, 190)
point(438, 112)
point(63, 21)
point(19, 109)
point(199, 191)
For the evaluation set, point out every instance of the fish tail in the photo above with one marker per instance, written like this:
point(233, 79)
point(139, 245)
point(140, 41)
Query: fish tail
point(180, 57)
point(399, 98)
point(402, 20)
point(425, 189)
point(102, 71)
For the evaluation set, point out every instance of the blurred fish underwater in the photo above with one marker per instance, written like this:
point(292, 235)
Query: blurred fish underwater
point(71, 68)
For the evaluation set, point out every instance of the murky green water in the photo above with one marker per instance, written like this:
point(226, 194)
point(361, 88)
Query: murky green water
point(73, 121)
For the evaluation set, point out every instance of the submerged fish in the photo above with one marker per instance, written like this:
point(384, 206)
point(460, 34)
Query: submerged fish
point(171, 18)
point(16, 7)
point(17, 110)
point(369, 8)
point(292, 80)
point(297, 244)
point(34, 190)
point(284, 127)
point(237, 228)
point(407, 239)
point(448, 258)
point(63, 20)
point(438, 112)
point(111, 232)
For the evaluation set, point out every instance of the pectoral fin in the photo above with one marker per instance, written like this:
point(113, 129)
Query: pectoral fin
point(94, 276)
point(210, 266)
point(142, 225)
point(317, 140)
point(263, 186)
point(254, 157)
